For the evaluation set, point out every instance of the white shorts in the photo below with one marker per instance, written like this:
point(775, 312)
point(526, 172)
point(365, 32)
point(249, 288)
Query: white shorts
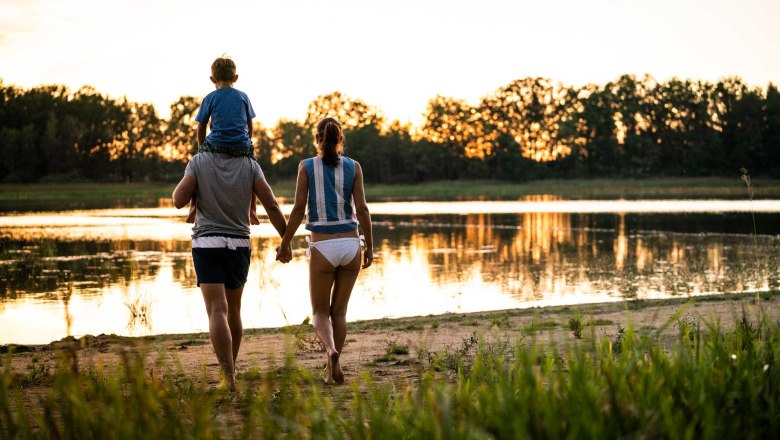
point(338, 251)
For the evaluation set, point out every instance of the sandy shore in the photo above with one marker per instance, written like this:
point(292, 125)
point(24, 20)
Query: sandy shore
point(379, 347)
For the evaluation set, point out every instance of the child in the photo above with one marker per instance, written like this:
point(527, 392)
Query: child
point(231, 116)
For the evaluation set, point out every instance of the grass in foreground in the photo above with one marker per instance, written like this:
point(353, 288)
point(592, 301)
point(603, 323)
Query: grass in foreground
point(709, 381)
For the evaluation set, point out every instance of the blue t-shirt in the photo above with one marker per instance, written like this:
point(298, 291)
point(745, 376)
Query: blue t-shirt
point(230, 112)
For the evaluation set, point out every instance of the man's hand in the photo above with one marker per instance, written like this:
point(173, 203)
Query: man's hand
point(284, 253)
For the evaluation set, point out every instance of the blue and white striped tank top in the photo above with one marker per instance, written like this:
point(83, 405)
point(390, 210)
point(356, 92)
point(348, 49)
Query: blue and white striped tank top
point(330, 208)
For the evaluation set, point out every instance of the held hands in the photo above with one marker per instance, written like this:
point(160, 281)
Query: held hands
point(284, 253)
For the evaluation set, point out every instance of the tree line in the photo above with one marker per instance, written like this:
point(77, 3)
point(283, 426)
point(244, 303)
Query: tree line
point(531, 128)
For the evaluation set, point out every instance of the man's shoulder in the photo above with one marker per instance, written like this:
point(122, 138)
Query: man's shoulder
point(196, 159)
point(221, 162)
point(192, 166)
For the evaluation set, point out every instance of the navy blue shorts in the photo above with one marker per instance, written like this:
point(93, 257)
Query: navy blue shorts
point(221, 266)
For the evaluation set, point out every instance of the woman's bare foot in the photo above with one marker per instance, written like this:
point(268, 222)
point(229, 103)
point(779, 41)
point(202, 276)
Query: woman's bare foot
point(335, 368)
point(227, 383)
point(328, 376)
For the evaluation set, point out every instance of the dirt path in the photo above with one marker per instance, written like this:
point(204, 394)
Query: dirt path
point(388, 350)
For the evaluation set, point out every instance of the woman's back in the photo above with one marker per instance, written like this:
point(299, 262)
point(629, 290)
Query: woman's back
point(330, 205)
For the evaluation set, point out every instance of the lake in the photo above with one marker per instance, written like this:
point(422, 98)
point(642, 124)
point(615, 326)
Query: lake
point(129, 271)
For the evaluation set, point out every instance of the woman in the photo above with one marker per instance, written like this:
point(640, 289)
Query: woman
point(333, 187)
point(225, 186)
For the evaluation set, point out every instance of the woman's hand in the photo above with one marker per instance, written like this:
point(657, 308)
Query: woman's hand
point(284, 253)
point(368, 257)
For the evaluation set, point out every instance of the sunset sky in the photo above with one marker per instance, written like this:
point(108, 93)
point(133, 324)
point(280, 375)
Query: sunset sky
point(395, 55)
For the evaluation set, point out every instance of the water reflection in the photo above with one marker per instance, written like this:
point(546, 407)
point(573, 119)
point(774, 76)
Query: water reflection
point(133, 275)
point(562, 255)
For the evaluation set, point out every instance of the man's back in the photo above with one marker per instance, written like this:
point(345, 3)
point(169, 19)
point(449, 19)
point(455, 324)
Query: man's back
point(224, 192)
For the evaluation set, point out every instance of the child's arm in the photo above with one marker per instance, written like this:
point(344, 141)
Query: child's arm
point(202, 132)
point(253, 218)
point(193, 209)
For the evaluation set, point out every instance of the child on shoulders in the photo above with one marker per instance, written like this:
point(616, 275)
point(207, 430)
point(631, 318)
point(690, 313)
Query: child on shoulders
point(231, 116)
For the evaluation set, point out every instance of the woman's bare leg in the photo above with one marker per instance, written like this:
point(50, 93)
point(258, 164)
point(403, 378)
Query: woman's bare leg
point(330, 291)
point(342, 290)
point(321, 279)
point(219, 329)
point(233, 297)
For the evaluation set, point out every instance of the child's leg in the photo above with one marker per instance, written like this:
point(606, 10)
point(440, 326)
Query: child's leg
point(193, 208)
point(253, 218)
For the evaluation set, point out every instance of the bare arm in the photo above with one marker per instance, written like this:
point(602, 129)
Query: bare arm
point(299, 206)
point(266, 195)
point(202, 132)
point(184, 191)
point(363, 216)
point(249, 130)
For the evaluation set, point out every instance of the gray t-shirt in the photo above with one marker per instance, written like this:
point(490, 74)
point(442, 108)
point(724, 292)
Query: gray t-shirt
point(224, 193)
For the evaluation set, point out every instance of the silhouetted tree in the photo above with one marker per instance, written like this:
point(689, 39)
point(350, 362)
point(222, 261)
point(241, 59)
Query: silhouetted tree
point(532, 111)
point(180, 140)
point(137, 147)
point(292, 142)
point(597, 147)
point(772, 133)
point(739, 113)
point(530, 128)
point(351, 113)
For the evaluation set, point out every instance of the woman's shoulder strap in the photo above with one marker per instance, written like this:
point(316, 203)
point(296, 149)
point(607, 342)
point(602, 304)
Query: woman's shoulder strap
point(310, 163)
point(348, 162)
